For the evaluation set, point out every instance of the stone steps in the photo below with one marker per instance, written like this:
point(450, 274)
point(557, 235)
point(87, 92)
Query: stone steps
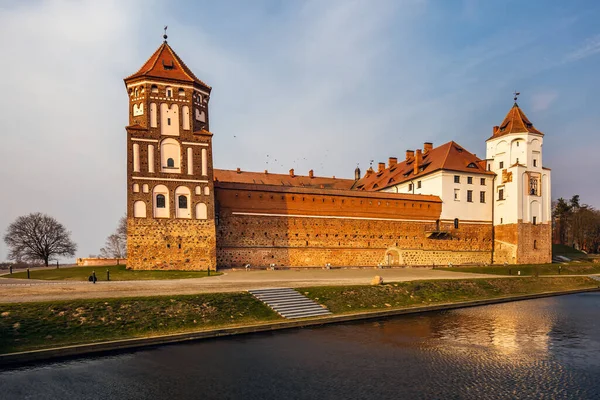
point(288, 303)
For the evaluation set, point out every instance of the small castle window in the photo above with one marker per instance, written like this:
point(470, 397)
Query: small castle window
point(535, 163)
point(455, 223)
point(482, 181)
point(160, 201)
point(456, 179)
point(501, 164)
point(168, 121)
point(154, 89)
point(501, 194)
point(535, 244)
point(181, 92)
point(170, 163)
point(418, 184)
point(535, 220)
point(169, 92)
point(183, 202)
point(470, 180)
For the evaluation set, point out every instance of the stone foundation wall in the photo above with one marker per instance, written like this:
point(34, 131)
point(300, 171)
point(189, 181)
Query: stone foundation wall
point(96, 261)
point(180, 244)
point(523, 244)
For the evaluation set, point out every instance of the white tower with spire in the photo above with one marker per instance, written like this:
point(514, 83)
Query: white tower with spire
point(522, 191)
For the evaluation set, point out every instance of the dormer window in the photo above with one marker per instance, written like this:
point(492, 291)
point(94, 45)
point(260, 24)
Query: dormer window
point(472, 165)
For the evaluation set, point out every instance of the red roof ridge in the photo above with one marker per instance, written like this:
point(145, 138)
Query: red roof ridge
point(183, 72)
point(515, 122)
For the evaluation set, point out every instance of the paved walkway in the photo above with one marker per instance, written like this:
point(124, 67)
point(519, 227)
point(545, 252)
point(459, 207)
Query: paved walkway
point(21, 290)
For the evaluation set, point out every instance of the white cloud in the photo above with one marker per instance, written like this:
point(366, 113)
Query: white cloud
point(542, 100)
point(590, 47)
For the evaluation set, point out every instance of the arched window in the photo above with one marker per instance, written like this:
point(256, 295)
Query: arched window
point(154, 89)
point(182, 201)
point(160, 201)
point(455, 223)
point(160, 194)
point(182, 196)
point(170, 163)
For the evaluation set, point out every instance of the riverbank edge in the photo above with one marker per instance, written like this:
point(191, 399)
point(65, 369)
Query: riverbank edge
point(53, 354)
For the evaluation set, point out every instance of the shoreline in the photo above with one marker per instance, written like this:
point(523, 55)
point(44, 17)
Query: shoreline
point(123, 345)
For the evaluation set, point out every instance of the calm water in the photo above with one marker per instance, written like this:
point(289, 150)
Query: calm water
point(537, 349)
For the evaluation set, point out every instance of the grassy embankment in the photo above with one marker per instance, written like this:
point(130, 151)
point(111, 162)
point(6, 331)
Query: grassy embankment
point(117, 273)
point(29, 326)
point(572, 268)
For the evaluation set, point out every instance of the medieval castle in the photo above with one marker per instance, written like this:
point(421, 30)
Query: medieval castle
point(439, 205)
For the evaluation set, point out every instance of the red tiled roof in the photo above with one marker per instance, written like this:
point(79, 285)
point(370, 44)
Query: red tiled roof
point(261, 178)
point(515, 122)
point(450, 156)
point(166, 64)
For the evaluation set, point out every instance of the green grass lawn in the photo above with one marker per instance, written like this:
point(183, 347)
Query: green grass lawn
point(117, 273)
point(574, 268)
point(28, 326)
point(348, 299)
point(567, 251)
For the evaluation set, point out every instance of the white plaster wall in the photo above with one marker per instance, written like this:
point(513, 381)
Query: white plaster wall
point(139, 209)
point(169, 148)
point(169, 119)
point(136, 157)
point(519, 205)
point(204, 162)
point(201, 211)
point(442, 184)
point(151, 158)
point(190, 160)
point(185, 111)
point(153, 116)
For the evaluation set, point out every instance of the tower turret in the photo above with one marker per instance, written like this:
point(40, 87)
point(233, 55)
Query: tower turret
point(171, 218)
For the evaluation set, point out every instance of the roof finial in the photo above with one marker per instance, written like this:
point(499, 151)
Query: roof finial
point(165, 35)
point(516, 95)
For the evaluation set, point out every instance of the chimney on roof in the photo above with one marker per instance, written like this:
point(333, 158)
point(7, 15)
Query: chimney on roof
point(266, 171)
point(495, 130)
point(292, 173)
point(418, 161)
point(357, 173)
point(427, 147)
point(392, 161)
point(409, 154)
point(238, 170)
point(380, 166)
point(311, 174)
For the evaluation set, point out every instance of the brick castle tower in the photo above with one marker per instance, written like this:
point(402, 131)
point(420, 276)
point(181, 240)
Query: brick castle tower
point(522, 211)
point(170, 197)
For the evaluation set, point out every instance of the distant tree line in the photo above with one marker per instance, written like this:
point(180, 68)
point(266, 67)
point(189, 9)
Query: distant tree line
point(576, 224)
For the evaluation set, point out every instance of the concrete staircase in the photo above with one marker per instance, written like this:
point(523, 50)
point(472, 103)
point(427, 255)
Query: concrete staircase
point(288, 303)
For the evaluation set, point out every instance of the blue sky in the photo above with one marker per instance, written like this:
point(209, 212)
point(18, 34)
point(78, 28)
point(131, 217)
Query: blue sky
point(321, 85)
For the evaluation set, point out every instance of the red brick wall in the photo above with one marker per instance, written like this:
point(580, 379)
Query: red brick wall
point(299, 235)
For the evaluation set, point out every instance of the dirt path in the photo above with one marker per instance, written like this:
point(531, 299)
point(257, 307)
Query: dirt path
point(20, 290)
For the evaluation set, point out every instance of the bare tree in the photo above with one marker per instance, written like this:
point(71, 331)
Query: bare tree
point(38, 237)
point(116, 243)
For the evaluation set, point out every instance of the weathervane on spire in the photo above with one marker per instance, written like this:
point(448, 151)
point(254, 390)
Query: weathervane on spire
point(516, 95)
point(165, 35)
